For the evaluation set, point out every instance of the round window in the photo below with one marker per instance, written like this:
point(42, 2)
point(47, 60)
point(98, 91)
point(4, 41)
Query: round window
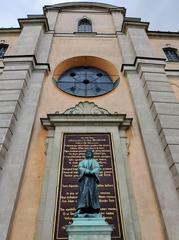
point(85, 82)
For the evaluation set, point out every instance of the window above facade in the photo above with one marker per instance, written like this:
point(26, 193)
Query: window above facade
point(171, 54)
point(3, 48)
point(85, 82)
point(84, 25)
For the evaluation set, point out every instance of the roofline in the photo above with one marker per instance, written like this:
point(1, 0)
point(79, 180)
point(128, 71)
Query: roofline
point(84, 4)
point(149, 32)
point(10, 30)
point(162, 33)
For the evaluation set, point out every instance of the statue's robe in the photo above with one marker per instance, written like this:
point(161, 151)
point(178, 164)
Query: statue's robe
point(88, 197)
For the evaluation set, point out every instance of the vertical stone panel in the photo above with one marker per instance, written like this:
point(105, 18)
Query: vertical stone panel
point(117, 19)
point(27, 42)
point(140, 42)
point(153, 98)
point(165, 110)
point(21, 83)
point(52, 18)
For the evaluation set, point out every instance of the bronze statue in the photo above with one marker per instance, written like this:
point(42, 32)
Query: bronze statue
point(88, 197)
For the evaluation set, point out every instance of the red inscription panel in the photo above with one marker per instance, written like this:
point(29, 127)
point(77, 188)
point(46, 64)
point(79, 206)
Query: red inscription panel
point(74, 147)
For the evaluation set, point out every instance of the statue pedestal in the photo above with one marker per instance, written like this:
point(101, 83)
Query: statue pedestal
point(89, 229)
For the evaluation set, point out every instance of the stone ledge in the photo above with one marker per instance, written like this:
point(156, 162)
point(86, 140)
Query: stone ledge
point(169, 137)
point(76, 120)
point(158, 108)
point(158, 78)
point(25, 60)
point(161, 97)
point(9, 107)
point(172, 153)
point(12, 85)
point(156, 87)
point(14, 75)
point(146, 64)
point(167, 121)
point(7, 121)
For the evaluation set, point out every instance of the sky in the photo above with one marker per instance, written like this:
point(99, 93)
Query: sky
point(163, 15)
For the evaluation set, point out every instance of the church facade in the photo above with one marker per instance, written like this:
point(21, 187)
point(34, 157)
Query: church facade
point(79, 76)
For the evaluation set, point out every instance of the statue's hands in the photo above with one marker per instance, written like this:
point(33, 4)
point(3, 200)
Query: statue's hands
point(87, 171)
point(93, 171)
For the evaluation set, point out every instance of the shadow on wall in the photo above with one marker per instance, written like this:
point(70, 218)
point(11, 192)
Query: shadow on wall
point(96, 62)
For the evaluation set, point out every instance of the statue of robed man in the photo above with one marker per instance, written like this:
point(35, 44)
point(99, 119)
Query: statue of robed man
point(88, 197)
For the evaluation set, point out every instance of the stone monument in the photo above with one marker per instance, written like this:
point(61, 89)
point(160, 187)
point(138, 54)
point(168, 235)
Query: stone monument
point(88, 223)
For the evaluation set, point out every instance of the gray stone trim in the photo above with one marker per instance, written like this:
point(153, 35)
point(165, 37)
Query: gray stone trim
point(89, 112)
point(13, 163)
point(13, 82)
point(23, 76)
point(168, 200)
point(158, 91)
point(68, 120)
point(10, 102)
point(142, 69)
point(167, 117)
point(61, 6)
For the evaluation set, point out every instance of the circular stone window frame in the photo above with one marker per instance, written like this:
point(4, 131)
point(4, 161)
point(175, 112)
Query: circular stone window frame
point(87, 61)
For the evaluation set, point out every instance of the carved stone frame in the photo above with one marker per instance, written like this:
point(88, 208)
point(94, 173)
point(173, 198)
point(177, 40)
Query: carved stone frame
point(86, 118)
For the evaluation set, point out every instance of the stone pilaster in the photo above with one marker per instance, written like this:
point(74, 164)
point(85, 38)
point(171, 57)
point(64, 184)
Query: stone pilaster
point(21, 83)
point(29, 38)
point(118, 18)
point(157, 112)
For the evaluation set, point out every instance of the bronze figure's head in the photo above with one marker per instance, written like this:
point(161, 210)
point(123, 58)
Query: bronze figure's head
point(89, 153)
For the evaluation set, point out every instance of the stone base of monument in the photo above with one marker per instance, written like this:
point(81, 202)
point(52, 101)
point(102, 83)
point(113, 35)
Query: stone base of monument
point(89, 228)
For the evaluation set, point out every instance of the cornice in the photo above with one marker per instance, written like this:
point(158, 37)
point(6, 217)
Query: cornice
point(81, 4)
point(38, 20)
point(162, 34)
point(27, 58)
point(144, 60)
point(86, 114)
point(134, 24)
point(10, 30)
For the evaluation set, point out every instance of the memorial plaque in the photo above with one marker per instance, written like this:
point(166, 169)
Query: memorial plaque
point(74, 147)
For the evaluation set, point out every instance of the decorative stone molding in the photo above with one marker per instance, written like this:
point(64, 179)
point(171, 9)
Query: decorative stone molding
point(86, 108)
point(86, 113)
